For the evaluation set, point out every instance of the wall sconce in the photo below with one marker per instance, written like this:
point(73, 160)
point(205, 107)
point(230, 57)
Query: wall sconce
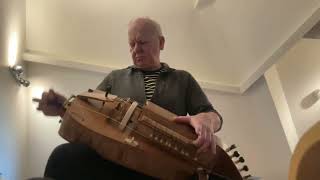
point(17, 71)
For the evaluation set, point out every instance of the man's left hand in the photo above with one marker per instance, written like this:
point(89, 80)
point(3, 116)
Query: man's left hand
point(205, 126)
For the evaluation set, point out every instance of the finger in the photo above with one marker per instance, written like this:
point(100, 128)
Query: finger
point(212, 126)
point(214, 144)
point(51, 91)
point(43, 101)
point(60, 99)
point(200, 140)
point(206, 143)
point(182, 119)
point(44, 97)
point(49, 110)
point(56, 97)
point(198, 129)
point(52, 97)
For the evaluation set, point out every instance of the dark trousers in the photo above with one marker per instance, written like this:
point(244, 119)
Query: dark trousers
point(79, 162)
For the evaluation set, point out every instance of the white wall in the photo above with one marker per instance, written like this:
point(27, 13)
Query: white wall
point(250, 121)
point(12, 97)
point(299, 72)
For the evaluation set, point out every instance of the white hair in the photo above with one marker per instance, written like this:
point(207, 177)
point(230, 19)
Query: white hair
point(146, 20)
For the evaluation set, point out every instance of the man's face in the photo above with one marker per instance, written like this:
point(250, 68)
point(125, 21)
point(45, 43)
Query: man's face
point(145, 46)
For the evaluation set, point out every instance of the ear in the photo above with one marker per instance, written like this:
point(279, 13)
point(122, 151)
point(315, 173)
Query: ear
point(162, 41)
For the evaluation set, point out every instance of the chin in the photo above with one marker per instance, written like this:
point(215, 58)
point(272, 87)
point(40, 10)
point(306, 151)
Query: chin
point(139, 64)
point(142, 66)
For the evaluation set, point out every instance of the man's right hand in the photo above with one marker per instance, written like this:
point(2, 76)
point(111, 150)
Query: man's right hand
point(51, 103)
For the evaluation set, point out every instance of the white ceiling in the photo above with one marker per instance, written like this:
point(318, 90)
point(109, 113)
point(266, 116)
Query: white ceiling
point(226, 45)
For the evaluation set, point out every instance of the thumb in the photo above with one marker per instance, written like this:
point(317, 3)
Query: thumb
point(54, 96)
point(51, 95)
point(183, 119)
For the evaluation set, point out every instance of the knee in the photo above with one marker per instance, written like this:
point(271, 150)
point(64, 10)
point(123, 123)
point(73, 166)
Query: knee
point(69, 151)
point(67, 158)
point(61, 151)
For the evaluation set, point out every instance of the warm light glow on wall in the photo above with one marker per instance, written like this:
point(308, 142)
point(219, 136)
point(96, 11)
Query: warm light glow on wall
point(13, 49)
point(36, 92)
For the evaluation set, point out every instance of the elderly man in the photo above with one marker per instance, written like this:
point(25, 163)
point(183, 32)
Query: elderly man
point(147, 79)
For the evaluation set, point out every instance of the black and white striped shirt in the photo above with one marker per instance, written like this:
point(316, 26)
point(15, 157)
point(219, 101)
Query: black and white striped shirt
point(150, 82)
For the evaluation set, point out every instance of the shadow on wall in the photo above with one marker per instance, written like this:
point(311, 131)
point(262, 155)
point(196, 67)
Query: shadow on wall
point(310, 99)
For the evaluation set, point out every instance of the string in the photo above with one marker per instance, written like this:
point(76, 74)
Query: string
point(128, 127)
point(132, 129)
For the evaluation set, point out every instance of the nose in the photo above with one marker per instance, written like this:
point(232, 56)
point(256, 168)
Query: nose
point(137, 48)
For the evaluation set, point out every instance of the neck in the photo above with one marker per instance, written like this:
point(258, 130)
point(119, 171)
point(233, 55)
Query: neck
point(153, 68)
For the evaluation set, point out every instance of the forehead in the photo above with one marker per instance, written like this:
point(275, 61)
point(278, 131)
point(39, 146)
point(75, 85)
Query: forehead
point(138, 31)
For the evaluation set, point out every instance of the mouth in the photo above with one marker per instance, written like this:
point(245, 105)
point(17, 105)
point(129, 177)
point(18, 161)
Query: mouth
point(139, 57)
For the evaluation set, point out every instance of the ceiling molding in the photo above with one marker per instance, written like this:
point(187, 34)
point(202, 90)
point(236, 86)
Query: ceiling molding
point(200, 4)
point(39, 57)
point(220, 87)
point(284, 47)
point(63, 62)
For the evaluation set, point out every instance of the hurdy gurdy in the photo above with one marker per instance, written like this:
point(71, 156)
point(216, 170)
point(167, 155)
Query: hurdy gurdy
point(142, 138)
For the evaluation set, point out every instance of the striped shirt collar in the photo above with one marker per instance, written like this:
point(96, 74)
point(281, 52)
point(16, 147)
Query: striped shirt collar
point(164, 68)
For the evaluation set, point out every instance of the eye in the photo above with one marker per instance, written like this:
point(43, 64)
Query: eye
point(142, 42)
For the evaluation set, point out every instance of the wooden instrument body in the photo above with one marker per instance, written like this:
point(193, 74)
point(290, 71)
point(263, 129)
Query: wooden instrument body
point(306, 159)
point(150, 143)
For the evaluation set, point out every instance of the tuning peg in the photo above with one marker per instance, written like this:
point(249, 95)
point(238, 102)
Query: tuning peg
point(108, 89)
point(240, 160)
point(235, 154)
point(244, 168)
point(233, 146)
point(247, 176)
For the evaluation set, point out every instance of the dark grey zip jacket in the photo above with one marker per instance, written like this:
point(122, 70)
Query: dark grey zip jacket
point(176, 90)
